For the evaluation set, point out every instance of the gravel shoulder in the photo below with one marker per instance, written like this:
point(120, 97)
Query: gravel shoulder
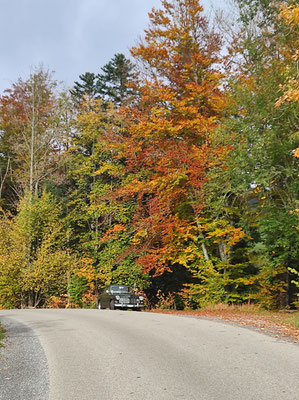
point(23, 364)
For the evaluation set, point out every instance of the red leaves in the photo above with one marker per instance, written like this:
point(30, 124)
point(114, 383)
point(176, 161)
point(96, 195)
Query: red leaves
point(170, 129)
point(166, 142)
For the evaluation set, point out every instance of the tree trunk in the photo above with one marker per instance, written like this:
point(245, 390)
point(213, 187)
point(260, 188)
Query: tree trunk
point(224, 253)
point(203, 245)
point(30, 299)
point(4, 177)
point(32, 146)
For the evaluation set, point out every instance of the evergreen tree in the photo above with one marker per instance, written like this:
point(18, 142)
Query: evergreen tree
point(112, 84)
point(87, 86)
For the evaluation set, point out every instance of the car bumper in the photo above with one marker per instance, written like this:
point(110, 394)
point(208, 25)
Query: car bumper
point(128, 305)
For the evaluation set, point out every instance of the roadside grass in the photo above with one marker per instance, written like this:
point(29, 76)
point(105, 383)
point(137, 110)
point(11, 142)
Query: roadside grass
point(284, 323)
point(292, 319)
point(2, 335)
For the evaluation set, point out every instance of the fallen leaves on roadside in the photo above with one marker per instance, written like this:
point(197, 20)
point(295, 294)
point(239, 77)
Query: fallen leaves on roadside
point(270, 324)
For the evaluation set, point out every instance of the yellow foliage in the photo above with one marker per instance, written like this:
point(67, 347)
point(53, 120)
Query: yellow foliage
point(221, 231)
point(290, 14)
point(296, 152)
point(87, 269)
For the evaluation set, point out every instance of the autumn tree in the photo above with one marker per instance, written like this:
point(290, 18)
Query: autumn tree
point(289, 16)
point(12, 257)
point(35, 262)
point(168, 148)
point(5, 170)
point(32, 131)
point(176, 171)
point(260, 184)
point(100, 223)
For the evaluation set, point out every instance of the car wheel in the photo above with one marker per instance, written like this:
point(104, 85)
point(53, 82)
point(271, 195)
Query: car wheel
point(112, 306)
point(100, 306)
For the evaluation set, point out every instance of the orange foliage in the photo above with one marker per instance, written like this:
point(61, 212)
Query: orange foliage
point(89, 298)
point(111, 233)
point(58, 302)
point(171, 129)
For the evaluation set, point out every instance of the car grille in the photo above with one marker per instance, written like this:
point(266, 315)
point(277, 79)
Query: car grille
point(128, 300)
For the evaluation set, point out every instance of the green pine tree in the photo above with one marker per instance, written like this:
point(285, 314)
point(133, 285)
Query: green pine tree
point(112, 84)
point(87, 86)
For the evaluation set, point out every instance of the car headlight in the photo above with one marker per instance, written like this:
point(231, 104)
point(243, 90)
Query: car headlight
point(141, 298)
point(117, 297)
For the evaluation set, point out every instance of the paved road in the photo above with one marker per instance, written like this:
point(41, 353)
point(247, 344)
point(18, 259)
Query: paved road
point(113, 355)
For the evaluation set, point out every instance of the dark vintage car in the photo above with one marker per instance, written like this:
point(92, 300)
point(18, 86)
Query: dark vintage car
point(120, 297)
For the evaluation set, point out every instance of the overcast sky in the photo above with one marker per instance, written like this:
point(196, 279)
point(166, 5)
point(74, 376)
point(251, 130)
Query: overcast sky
point(69, 37)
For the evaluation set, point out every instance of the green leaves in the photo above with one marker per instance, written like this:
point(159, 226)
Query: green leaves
point(165, 174)
point(35, 261)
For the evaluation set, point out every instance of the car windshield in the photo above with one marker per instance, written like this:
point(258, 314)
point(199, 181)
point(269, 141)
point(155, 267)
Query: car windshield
point(119, 289)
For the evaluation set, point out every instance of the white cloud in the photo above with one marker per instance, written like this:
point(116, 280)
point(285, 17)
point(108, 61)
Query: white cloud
point(68, 36)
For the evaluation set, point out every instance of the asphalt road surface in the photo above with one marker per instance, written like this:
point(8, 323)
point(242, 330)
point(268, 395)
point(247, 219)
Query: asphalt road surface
point(113, 355)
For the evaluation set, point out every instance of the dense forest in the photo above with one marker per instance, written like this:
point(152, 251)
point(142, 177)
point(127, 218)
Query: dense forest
point(175, 171)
